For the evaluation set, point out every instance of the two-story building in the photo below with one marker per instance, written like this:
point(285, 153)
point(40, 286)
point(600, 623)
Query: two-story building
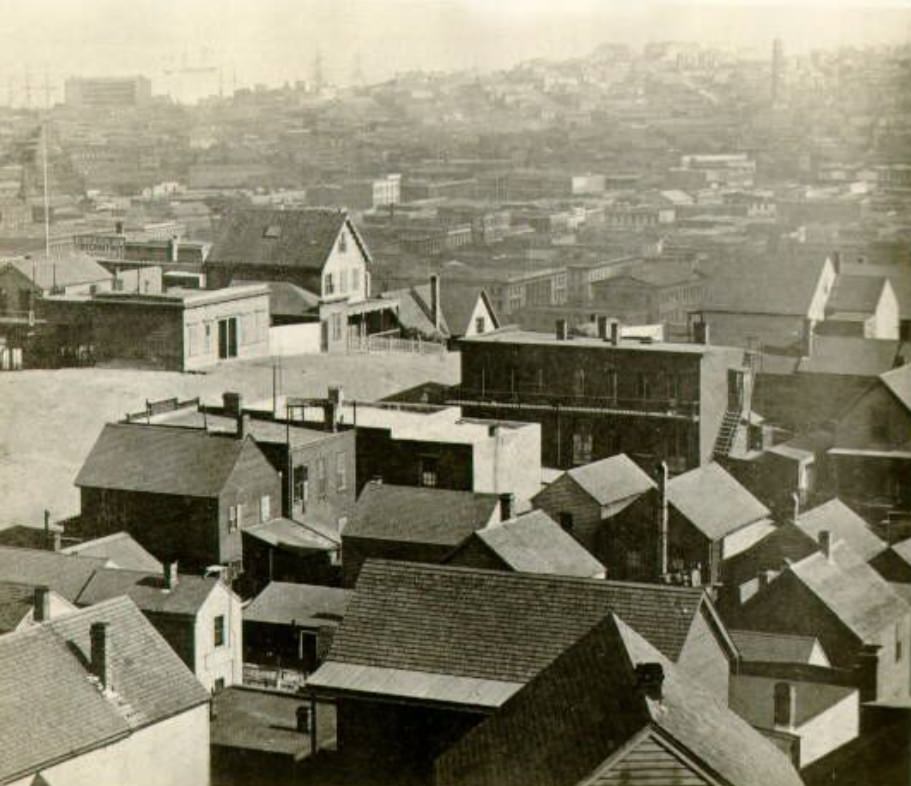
point(596, 397)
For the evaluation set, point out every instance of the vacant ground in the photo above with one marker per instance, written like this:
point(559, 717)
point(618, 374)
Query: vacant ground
point(49, 420)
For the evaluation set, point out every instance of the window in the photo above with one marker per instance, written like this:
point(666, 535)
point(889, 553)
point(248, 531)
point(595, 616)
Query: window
point(328, 287)
point(219, 630)
point(579, 382)
point(208, 339)
point(265, 503)
point(301, 489)
point(4, 300)
point(343, 281)
point(25, 300)
point(337, 327)
point(235, 516)
point(192, 340)
point(321, 480)
point(898, 642)
point(429, 465)
point(633, 559)
point(612, 384)
point(643, 386)
point(582, 443)
point(343, 242)
point(341, 472)
point(479, 325)
point(219, 685)
point(566, 521)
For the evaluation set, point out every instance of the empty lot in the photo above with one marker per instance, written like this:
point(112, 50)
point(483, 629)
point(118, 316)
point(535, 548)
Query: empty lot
point(50, 419)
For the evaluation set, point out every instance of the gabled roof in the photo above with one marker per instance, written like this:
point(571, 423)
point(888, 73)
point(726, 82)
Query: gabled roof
point(857, 294)
point(496, 625)
point(120, 550)
point(286, 299)
point(715, 503)
point(64, 574)
point(419, 515)
point(161, 460)
point(903, 549)
point(45, 681)
point(282, 603)
point(458, 304)
point(16, 601)
point(581, 718)
point(761, 647)
point(852, 355)
point(535, 543)
point(300, 238)
point(842, 523)
point(612, 479)
point(898, 381)
point(772, 285)
point(294, 535)
point(148, 591)
point(861, 599)
point(67, 271)
point(414, 309)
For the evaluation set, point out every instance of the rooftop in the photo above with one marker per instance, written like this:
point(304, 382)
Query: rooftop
point(898, 381)
point(72, 270)
point(283, 603)
point(612, 479)
point(859, 294)
point(761, 647)
point(148, 591)
point(120, 550)
point(65, 574)
point(419, 515)
point(514, 336)
point(842, 523)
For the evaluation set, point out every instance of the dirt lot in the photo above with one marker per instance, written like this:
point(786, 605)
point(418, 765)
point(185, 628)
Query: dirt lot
point(50, 419)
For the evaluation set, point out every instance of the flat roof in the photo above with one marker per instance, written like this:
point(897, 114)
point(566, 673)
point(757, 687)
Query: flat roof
point(547, 339)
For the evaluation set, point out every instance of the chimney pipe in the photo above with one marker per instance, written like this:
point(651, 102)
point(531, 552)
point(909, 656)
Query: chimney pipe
point(602, 327)
point(171, 576)
point(243, 425)
point(507, 506)
point(118, 227)
point(765, 577)
point(615, 332)
point(562, 330)
point(42, 611)
point(650, 679)
point(435, 300)
point(100, 663)
point(662, 518)
point(825, 543)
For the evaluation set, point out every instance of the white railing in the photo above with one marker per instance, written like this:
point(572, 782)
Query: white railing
point(382, 342)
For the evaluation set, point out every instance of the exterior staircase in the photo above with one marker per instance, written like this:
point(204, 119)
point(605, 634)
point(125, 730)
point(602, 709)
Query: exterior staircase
point(726, 434)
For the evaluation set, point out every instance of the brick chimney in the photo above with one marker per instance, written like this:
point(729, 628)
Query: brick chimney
point(825, 543)
point(171, 576)
point(602, 327)
point(661, 519)
point(507, 506)
point(650, 679)
point(42, 611)
point(615, 328)
point(100, 656)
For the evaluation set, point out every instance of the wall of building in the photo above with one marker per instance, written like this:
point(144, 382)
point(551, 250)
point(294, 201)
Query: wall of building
point(347, 267)
point(16, 292)
point(173, 752)
point(876, 420)
point(356, 550)
point(224, 662)
point(886, 317)
point(564, 495)
point(143, 335)
point(302, 339)
point(704, 659)
point(509, 462)
point(200, 327)
point(480, 312)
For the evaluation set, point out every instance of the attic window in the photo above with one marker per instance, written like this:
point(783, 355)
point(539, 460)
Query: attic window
point(273, 231)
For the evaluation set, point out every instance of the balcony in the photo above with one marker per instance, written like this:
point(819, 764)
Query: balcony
point(666, 408)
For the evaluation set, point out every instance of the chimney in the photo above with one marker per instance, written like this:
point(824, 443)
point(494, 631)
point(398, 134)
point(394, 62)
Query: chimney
point(836, 262)
point(330, 415)
point(173, 248)
point(825, 543)
point(615, 332)
point(661, 517)
point(806, 338)
point(650, 679)
point(562, 330)
point(232, 403)
point(42, 611)
point(100, 663)
point(602, 327)
point(507, 506)
point(243, 424)
point(170, 575)
point(435, 300)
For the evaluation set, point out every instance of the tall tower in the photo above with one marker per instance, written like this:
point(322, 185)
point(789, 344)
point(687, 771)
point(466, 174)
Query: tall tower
point(777, 69)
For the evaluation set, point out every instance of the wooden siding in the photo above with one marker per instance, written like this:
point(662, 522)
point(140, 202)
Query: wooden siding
point(564, 495)
point(649, 763)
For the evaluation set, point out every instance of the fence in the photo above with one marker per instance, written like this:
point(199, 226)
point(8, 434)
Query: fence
point(385, 342)
point(274, 677)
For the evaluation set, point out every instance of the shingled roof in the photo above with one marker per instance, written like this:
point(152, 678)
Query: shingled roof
point(713, 501)
point(43, 669)
point(842, 522)
point(898, 381)
point(612, 479)
point(858, 294)
point(162, 460)
point(65, 574)
point(419, 515)
point(300, 238)
point(148, 591)
point(283, 603)
point(583, 717)
point(494, 625)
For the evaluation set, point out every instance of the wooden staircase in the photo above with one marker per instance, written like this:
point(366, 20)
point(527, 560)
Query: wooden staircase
point(726, 434)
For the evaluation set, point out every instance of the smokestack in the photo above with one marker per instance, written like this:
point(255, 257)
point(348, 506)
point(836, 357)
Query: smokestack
point(562, 330)
point(650, 679)
point(42, 611)
point(602, 327)
point(331, 407)
point(435, 300)
point(170, 575)
point(615, 332)
point(825, 543)
point(507, 506)
point(661, 518)
point(100, 663)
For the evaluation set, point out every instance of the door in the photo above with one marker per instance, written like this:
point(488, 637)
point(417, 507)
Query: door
point(227, 338)
point(735, 390)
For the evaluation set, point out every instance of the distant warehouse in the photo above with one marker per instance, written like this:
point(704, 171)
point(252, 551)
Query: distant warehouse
point(108, 91)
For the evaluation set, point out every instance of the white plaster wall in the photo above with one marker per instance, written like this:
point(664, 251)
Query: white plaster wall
point(817, 309)
point(252, 314)
point(480, 310)
point(174, 752)
point(510, 462)
point(352, 258)
point(224, 662)
point(836, 726)
point(294, 339)
point(886, 318)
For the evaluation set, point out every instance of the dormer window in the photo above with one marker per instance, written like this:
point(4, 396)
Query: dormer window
point(273, 231)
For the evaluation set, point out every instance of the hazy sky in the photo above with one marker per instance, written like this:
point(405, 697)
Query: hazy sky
point(275, 40)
